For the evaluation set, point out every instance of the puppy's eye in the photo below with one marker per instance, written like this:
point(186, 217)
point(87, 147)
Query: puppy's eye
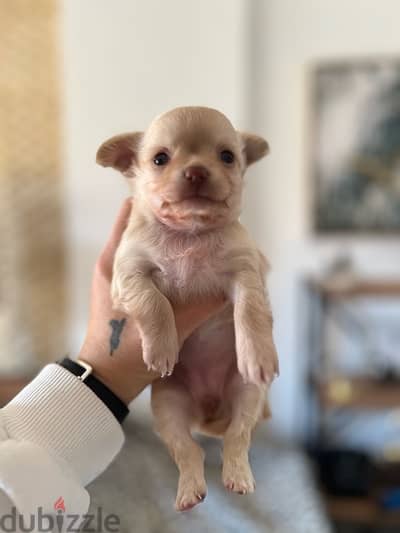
point(227, 157)
point(161, 159)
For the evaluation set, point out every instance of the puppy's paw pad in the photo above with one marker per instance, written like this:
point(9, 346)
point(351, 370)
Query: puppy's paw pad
point(161, 359)
point(258, 370)
point(190, 493)
point(239, 479)
point(242, 490)
point(162, 365)
point(240, 486)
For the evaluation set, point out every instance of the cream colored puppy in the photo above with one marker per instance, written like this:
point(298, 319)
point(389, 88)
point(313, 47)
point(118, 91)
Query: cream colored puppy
point(184, 242)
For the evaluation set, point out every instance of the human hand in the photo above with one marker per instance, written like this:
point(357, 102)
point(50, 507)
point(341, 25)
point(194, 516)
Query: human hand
point(112, 345)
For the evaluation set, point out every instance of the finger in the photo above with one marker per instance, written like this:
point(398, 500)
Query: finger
point(107, 255)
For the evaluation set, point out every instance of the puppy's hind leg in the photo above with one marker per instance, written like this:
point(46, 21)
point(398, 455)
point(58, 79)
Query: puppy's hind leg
point(247, 409)
point(173, 412)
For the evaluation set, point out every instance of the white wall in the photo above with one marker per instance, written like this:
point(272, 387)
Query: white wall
point(289, 36)
point(124, 63)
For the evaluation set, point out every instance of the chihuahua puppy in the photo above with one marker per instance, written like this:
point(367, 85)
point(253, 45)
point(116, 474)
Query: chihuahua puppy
point(184, 242)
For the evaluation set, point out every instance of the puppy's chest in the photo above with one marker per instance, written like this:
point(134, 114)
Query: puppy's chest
point(191, 271)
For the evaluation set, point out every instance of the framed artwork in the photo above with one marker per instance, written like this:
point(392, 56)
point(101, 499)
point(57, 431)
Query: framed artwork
point(355, 143)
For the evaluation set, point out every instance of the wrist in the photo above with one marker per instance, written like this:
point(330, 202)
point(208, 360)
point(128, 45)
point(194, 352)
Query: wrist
point(124, 372)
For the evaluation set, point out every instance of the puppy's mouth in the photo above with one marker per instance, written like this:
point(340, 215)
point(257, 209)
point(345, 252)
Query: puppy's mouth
point(192, 200)
point(191, 207)
point(201, 202)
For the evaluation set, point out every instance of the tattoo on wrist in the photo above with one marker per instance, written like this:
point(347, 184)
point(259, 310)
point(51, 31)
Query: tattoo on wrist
point(116, 330)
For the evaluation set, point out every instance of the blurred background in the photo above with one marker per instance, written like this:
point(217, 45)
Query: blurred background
point(321, 81)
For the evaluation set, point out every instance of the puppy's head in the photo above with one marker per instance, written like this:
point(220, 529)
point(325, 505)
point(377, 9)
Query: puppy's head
point(187, 168)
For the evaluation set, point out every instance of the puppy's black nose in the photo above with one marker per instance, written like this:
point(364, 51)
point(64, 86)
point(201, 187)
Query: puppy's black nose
point(196, 174)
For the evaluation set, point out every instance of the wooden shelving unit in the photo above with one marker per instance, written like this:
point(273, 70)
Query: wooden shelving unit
point(356, 288)
point(353, 393)
point(358, 393)
point(363, 511)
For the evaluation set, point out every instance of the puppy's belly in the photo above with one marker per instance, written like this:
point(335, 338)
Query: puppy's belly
point(207, 367)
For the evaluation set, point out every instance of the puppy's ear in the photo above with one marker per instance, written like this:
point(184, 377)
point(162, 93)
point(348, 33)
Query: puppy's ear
point(254, 147)
point(120, 152)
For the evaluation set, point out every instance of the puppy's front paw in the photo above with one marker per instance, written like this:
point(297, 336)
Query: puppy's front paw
point(162, 355)
point(258, 363)
point(192, 490)
point(238, 477)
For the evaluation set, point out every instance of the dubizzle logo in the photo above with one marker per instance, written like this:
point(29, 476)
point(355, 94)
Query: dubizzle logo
point(59, 504)
point(61, 521)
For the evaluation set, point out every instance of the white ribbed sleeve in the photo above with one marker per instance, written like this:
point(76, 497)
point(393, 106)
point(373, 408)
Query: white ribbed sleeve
point(31, 479)
point(62, 415)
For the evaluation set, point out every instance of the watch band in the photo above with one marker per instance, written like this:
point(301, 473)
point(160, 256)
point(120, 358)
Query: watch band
point(83, 372)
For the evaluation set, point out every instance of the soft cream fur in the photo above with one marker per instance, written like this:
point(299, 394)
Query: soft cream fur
point(184, 243)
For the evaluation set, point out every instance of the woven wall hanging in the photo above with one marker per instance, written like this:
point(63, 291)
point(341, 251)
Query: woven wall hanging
point(32, 277)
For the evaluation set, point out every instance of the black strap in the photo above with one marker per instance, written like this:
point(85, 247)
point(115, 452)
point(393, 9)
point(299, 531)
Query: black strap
point(116, 406)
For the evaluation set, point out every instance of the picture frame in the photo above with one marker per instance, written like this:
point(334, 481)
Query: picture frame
point(355, 146)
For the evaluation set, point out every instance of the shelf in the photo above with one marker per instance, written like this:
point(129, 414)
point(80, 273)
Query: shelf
point(9, 387)
point(359, 393)
point(360, 511)
point(351, 288)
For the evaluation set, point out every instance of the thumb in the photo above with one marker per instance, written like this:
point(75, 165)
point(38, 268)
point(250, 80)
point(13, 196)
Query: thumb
point(106, 258)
